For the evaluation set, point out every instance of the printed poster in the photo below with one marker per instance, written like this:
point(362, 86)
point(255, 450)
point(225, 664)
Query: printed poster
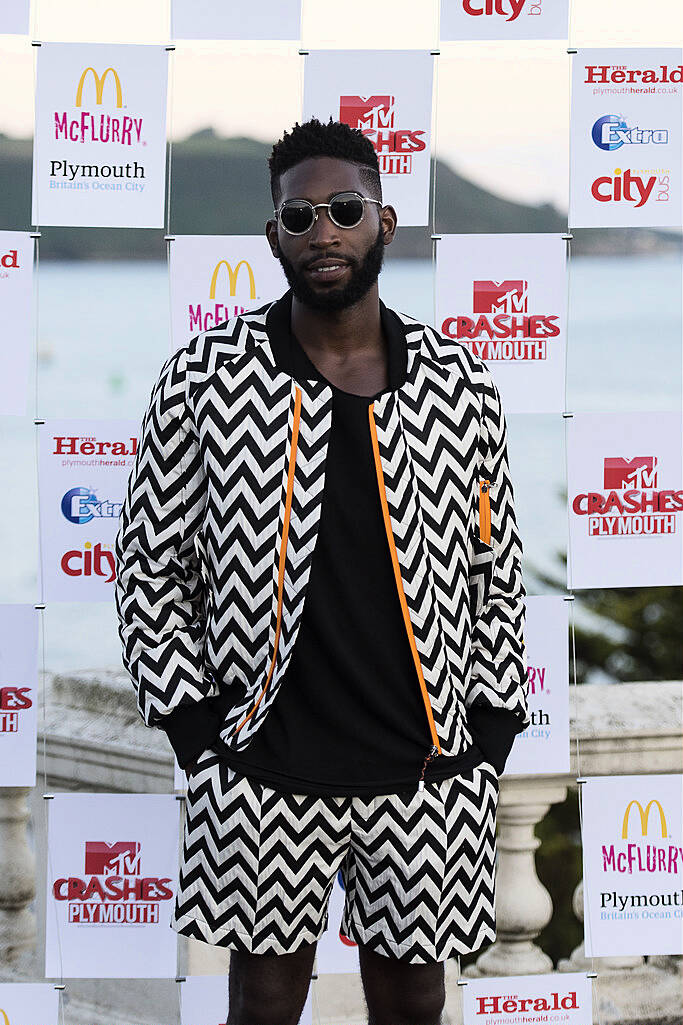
point(16, 303)
point(625, 154)
point(543, 748)
point(84, 467)
point(99, 157)
point(204, 998)
point(18, 695)
point(14, 17)
point(504, 19)
point(509, 1000)
point(633, 865)
point(29, 1003)
point(388, 95)
point(625, 493)
point(505, 297)
point(239, 19)
point(111, 883)
point(217, 277)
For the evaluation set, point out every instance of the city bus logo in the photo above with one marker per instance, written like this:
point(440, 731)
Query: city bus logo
point(644, 816)
point(232, 278)
point(99, 86)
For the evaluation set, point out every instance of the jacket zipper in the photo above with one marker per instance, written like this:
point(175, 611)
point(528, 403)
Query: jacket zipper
point(484, 511)
point(436, 746)
point(283, 552)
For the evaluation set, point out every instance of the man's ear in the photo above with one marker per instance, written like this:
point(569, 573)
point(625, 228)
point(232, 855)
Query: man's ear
point(271, 235)
point(389, 221)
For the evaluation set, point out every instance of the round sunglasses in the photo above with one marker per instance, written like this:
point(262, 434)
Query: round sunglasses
point(346, 210)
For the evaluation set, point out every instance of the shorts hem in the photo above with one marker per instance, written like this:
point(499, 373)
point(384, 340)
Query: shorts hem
point(456, 947)
point(227, 936)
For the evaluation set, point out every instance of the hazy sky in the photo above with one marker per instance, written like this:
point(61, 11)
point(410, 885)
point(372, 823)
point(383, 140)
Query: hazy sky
point(502, 110)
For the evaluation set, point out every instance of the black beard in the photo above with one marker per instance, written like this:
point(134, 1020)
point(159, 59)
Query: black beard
point(363, 276)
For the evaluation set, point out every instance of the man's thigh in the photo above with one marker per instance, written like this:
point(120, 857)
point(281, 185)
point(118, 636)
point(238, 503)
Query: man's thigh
point(269, 989)
point(399, 993)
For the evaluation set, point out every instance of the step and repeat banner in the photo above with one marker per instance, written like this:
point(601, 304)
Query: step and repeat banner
point(100, 161)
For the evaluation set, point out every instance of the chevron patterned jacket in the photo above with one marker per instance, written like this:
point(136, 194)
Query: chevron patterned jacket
point(220, 518)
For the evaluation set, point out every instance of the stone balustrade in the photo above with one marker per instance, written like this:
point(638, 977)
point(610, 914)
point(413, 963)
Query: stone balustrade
point(94, 740)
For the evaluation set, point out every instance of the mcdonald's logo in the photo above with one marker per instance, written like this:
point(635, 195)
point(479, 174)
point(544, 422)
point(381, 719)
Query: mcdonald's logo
point(99, 86)
point(644, 816)
point(3, 1017)
point(232, 278)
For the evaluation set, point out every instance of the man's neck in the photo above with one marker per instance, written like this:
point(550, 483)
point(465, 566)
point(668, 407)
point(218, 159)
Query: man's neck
point(348, 346)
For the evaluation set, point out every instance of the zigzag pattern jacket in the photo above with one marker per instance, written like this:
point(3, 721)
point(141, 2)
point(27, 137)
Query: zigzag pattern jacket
point(219, 523)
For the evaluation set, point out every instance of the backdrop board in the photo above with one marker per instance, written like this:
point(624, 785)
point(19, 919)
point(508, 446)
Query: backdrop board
point(238, 19)
point(625, 135)
point(99, 156)
point(504, 19)
point(217, 277)
point(625, 493)
point(111, 881)
point(513, 999)
point(18, 695)
point(84, 467)
point(336, 952)
point(544, 746)
point(505, 297)
point(632, 841)
point(16, 303)
point(29, 1003)
point(14, 17)
point(387, 94)
point(204, 999)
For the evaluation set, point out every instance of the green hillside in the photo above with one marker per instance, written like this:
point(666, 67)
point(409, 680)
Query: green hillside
point(220, 186)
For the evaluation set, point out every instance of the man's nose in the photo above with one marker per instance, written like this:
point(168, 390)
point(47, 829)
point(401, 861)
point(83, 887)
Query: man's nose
point(324, 232)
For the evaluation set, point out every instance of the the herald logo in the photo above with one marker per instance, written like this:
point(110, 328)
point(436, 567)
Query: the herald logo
point(9, 259)
point(500, 296)
point(638, 472)
point(620, 187)
point(367, 111)
point(510, 10)
point(121, 858)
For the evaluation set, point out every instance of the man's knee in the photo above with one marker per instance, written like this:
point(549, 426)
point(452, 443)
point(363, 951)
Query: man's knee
point(269, 989)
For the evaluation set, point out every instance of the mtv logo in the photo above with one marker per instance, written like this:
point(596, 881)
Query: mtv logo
point(500, 296)
point(112, 859)
point(639, 472)
point(367, 111)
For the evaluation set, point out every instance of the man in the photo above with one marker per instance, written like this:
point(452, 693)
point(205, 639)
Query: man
point(320, 600)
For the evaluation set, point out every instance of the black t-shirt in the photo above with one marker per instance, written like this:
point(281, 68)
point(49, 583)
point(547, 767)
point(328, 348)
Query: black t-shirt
point(349, 717)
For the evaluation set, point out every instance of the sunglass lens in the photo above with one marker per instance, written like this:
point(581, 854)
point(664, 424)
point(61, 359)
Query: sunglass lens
point(296, 216)
point(346, 210)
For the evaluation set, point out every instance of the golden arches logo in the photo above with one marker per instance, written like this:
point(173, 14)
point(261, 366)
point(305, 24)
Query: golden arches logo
point(99, 86)
point(644, 816)
point(232, 278)
point(3, 1015)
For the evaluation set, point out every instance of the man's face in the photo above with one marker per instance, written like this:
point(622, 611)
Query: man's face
point(353, 256)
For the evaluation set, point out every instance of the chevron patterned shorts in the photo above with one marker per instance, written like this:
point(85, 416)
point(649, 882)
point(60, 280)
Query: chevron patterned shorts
point(418, 867)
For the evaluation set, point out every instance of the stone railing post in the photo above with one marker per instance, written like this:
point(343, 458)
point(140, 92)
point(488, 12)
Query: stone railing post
point(17, 881)
point(523, 905)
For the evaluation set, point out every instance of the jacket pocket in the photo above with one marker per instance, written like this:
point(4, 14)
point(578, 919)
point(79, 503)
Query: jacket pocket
point(482, 563)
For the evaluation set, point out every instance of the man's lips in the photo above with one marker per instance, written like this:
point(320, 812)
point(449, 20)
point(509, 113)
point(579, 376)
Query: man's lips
point(327, 270)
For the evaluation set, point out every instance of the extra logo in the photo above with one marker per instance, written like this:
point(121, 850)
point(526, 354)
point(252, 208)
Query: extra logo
point(12, 701)
point(81, 505)
point(611, 132)
point(500, 326)
point(113, 889)
point(630, 501)
point(125, 130)
point(207, 319)
point(376, 117)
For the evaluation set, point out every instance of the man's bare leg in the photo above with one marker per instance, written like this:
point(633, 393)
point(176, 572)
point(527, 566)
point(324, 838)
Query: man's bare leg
point(399, 993)
point(269, 989)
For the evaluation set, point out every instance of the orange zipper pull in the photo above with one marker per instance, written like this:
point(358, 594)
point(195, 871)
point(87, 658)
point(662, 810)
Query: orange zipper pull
point(432, 754)
point(484, 511)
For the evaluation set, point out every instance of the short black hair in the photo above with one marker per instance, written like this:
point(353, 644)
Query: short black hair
point(315, 139)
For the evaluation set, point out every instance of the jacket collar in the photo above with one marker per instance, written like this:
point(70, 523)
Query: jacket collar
point(403, 344)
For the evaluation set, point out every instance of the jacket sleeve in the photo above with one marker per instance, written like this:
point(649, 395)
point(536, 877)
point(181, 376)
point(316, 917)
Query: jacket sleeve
point(159, 591)
point(499, 668)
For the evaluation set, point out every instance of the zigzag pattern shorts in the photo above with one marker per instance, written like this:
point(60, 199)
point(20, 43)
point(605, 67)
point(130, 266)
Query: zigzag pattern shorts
point(418, 868)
